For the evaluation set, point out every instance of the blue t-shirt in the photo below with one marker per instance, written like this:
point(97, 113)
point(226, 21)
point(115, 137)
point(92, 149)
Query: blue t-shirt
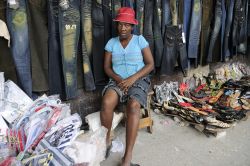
point(127, 61)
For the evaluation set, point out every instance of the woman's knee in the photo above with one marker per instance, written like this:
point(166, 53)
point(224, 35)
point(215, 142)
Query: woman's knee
point(133, 106)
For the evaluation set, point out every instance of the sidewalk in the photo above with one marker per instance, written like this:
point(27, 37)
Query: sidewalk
point(173, 145)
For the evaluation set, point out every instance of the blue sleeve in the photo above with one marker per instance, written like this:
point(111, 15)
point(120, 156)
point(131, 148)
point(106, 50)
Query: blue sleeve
point(109, 45)
point(142, 42)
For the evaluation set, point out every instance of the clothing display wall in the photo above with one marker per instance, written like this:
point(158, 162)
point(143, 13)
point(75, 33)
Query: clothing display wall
point(53, 43)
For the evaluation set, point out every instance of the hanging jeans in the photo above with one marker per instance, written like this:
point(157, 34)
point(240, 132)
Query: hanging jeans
point(148, 24)
point(237, 24)
point(69, 27)
point(116, 5)
point(38, 35)
point(56, 81)
point(174, 49)
point(243, 31)
point(166, 16)
point(18, 29)
point(107, 14)
point(195, 29)
point(229, 20)
point(158, 41)
point(174, 11)
point(98, 43)
point(187, 17)
point(207, 16)
point(139, 15)
point(216, 30)
point(86, 26)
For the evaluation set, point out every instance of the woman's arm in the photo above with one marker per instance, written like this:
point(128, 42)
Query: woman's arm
point(108, 68)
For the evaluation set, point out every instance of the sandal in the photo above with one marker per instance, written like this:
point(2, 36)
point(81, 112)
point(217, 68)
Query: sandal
point(214, 99)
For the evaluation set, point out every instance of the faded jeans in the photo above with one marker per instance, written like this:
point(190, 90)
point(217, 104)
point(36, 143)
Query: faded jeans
point(166, 15)
point(18, 28)
point(69, 27)
point(195, 29)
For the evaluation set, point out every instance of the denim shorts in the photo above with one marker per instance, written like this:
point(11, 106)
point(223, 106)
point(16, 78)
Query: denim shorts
point(137, 91)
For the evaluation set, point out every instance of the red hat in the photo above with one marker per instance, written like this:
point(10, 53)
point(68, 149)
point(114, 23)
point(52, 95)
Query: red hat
point(127, 15)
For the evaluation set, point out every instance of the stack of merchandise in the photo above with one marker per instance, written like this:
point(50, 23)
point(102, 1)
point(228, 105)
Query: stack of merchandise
point(209, 103)
point(43, 132)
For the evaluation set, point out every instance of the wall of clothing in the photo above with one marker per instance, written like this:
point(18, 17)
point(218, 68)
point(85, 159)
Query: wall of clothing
point(57, 46)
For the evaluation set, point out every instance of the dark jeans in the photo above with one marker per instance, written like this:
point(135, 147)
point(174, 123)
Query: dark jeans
point(166, 15)
point(139, 15)
point(237, 24)
point(87, 44)
point(56, 81)
point(229, 20)
point(69, 27)
point(174, 49)
point(18, 28)
point(116, 5)
point(38, 34)
point(243, 31)
point(195, 29)
point(207, 16)
point(98, 43)
point(148, 24)
point(107, 14)
point(158, 41)
point(216, 30)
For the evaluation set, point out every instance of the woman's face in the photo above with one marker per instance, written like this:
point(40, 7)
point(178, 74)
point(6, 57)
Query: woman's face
point(124, 30)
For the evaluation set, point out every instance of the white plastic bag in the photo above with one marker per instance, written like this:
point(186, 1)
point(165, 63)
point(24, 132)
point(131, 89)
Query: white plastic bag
point(94, 120)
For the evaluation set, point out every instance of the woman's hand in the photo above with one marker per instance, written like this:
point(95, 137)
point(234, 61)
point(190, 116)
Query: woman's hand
point(127, 83)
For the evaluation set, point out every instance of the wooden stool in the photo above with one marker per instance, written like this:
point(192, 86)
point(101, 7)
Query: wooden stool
point(146, 120)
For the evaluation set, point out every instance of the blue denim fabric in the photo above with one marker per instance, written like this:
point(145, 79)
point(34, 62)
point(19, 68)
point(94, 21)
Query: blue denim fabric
point(158, 41)
point(116, 5)
point(195, 29)
point(18, 28)
point(86, 22)
point(69, 27)
point(174, 49)
point(243, 31)
point(166, 15)
point(98, 42)
point(56, 83)
point(139, 16)
point(223, 24)
point(148, 24)
point(228, 29)
point(187, 17)
point(216, 30)
point(128, 3)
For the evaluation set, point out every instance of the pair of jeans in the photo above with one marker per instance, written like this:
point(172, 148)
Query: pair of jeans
point(195, 29)
point(18, 28)
point(187, 12)
point(229, 20)
point(174, 11)
point(98, 42)
point(56, 81)
point(86, 42)
point(174, 49)
point(38, 35)
point(207, 16)
point(69, 28)
point(237, 24)
point(216, 29)
point(243, 32)
point(139, 15)
point(6, 61)
point(158, 41)
point(116, 5)
point(107, 14)
point(148, 24)
point(166, 15)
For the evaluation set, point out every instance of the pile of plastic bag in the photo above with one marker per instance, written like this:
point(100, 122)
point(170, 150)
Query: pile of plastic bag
point(43, 132)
